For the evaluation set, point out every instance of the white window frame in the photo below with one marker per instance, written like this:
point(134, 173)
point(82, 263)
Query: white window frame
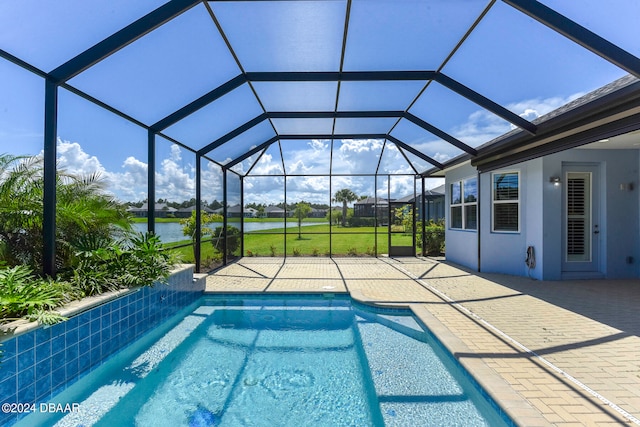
point(463, 205)
point(495, 202)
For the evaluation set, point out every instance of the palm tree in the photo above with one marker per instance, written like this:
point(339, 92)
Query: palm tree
point(86, 216)
point(345, 196)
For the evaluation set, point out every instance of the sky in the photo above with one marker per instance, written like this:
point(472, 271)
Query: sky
point(509, 58)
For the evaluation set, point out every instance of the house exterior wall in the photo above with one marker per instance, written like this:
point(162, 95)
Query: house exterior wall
point(541, 218)
point(618, 208)
point(461, 246)
point(505, 252)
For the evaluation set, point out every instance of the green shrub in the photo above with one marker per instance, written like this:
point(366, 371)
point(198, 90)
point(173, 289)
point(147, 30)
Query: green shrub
point(352, 251)
point(137, 261)
point(232, 235)
point(315, 252)
point(296, 252)
point(24, 295)
point(362, 221)
point(434, 237)
point(272, 248)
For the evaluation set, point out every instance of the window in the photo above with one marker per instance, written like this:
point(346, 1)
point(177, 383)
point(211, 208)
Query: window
point(464, 204)
point(506, 201)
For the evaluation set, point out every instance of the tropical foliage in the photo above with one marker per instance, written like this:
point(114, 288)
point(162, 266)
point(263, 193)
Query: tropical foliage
point(135, 261)
point(95, 249)
point(85, 213)
point(24, 295)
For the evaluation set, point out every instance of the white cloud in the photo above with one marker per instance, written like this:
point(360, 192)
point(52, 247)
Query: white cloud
point(483, 126)
point(72, 158)
point(174, 181)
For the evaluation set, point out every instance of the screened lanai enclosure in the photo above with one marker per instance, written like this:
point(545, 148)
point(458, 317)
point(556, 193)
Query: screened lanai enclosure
point(249, 108)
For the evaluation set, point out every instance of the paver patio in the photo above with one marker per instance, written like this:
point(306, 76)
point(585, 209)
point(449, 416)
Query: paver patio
point(551, 353)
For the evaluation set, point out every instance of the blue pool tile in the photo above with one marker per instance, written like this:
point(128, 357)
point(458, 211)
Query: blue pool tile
point(95, 313)
point(27, 394)
point(115, 316)
point(26, 342)
point(71, 352)
point(95, 340)
point(72, 323)
point(58, 359)
point(43, 367)
point(96, 355)
point(84, 318)
point(26, 359)
point(84, 362)
point(71, 337)
point(104, 310)
point(8, 418)
point(84, 329)
point(4, 418)
point(84, 345)
point(8, 387)
point(26, 377)
point(10, 348)
point(43, 387)
point(114, 329)
point(58, 343)
point(105, 321)
point(71, 369)
point(106, 333)
point(58, 329)
point(9, 368)
point(95, 325)
point(43, 351)
point(108, 347)
point(58, 377)
point(43, 335)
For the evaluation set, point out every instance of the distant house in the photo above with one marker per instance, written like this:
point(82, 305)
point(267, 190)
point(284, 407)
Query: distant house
point(370, 206)
point(433, 204)
point(236, 211)
point(250, 213)
point(161, 211)
point(187, 212)
point(274, 212)
point(318, 213)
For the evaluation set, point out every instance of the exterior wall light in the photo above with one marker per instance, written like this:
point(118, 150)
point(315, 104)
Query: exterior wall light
point(555, 180)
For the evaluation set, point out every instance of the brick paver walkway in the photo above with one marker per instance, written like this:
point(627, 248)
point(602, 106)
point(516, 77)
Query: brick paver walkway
point(551, 353)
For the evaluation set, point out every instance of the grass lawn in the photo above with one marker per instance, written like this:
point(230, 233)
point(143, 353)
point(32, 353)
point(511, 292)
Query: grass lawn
point(314, 241)
point(344, 241)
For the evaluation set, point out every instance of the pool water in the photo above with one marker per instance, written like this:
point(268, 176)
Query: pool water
point(279, 362)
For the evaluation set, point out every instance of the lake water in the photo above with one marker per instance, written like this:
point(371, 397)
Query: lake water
point(172, 231)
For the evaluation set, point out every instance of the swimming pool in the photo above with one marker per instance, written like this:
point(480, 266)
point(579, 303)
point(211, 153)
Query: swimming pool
point(280, 361)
